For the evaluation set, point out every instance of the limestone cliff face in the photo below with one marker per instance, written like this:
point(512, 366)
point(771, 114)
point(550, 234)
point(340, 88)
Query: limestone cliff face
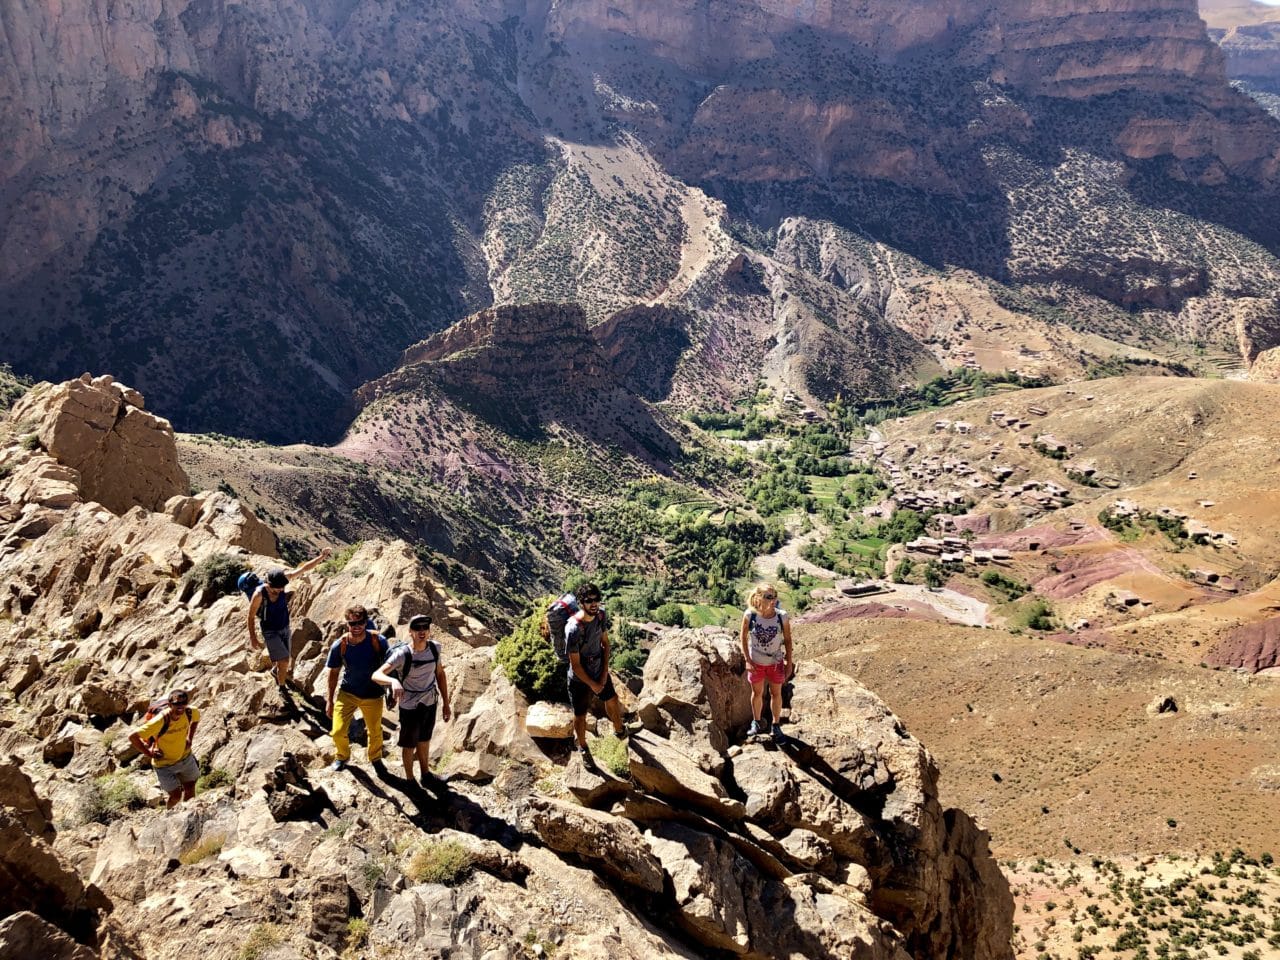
point(285, 195)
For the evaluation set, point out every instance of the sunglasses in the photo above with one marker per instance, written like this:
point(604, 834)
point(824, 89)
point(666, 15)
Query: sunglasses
point(591, 603)
point(768, 596)
point(355, 623)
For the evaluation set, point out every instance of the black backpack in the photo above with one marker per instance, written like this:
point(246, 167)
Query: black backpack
point(556, 619)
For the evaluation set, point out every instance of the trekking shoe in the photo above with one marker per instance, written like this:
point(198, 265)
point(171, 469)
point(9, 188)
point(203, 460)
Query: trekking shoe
point(778, 735)
point(754, 730)
point(623, 733)
point(588, 761)
point(338, 765)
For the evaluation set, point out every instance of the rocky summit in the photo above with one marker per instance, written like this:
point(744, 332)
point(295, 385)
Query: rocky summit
point(690, 844)
point(253, 210)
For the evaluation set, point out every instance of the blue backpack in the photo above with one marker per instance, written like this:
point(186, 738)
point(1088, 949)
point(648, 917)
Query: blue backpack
point(248, 583)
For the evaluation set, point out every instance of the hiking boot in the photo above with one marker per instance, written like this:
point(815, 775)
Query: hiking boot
point(754, 730)
point(588, 761)
point(623, 733)
point(778, 735)
point(338, 765)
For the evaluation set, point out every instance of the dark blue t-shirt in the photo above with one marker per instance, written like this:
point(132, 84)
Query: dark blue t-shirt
point(274, 614)
point(362, 660)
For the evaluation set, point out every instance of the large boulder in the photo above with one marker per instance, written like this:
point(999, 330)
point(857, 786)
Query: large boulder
point(614, 845)
point(225, 518)
point(724, 903)
point(125, 457)
point(697, 681)
point(27, 935)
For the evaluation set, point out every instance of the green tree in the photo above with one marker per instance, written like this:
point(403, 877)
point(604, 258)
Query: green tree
point(529, 660)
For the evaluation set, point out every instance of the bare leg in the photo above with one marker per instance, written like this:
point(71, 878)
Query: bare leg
point(424, 758)
point(757, 699)
point(580, 729)
point(406, 754)
point(282, 671)
point(613, 708)
point(775, 696)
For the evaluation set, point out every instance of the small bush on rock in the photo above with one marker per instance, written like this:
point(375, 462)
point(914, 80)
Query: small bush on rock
point(261, 939)
point(210, 847)
point(612, 752)
point(443, 861)
point(109, 798)
point(216, 575)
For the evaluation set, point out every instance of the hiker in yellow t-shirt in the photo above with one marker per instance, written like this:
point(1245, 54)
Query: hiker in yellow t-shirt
point(166, 739)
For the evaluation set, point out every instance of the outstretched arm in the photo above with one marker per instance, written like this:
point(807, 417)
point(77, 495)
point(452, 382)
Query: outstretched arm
point(309, 565)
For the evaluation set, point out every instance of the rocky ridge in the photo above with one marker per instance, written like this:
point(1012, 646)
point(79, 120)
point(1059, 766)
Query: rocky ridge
point(713, 843)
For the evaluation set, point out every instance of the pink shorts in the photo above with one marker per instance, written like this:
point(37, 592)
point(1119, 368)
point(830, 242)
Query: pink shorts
point(773, 673)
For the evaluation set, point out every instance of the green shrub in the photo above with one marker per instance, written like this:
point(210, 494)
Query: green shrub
point(337, 562)
point(529, 660)
point(31, 442)
point(261, 939)
point(1007, 585)
point(217, 777)
point(217, 574)
point(1036, 615)
point(670, 615)
point(613, 753)
point(441, 861)
point(109, 798)
point(209, 847)
point(357, 933)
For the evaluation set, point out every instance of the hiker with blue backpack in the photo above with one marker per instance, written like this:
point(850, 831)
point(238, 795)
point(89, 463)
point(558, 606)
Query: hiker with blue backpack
point(766, 645)
point(165, 736)
point(585, 648)
point(356, 656)
point(414, 672)
point(269, 610)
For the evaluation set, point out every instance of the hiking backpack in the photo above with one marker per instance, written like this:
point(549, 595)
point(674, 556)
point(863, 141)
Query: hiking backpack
point(248, 584)
point(403, 673)
point(557, 619)
point(377, 639)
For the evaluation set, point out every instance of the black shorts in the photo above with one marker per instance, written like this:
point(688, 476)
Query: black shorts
point(416, 725)
point(580, 694)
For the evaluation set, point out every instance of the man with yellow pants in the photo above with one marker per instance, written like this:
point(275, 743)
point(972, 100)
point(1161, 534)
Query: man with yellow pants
point(357, 655)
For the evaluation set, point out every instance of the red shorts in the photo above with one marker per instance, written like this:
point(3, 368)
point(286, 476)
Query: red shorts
point(773, 673)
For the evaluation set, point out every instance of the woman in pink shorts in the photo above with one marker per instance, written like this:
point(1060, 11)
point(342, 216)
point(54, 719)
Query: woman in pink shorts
point(766, 643)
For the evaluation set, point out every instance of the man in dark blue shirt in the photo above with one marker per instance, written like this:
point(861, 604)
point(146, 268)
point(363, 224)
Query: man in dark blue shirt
point(357, 655)
point(269, 609)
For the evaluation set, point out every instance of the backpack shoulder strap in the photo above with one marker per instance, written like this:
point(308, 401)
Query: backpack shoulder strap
point(752, 624)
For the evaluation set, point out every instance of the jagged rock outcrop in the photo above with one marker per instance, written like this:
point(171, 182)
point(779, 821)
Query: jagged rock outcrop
point(858, 859)
point(121, 455)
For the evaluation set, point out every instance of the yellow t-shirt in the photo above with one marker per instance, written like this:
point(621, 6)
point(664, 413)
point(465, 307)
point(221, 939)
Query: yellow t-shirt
point(173, 745)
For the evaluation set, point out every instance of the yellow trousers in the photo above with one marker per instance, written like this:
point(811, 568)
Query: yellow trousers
point(344, 711)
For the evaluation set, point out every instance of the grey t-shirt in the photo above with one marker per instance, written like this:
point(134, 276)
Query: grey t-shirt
point(583, 638)
point(420, 684)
